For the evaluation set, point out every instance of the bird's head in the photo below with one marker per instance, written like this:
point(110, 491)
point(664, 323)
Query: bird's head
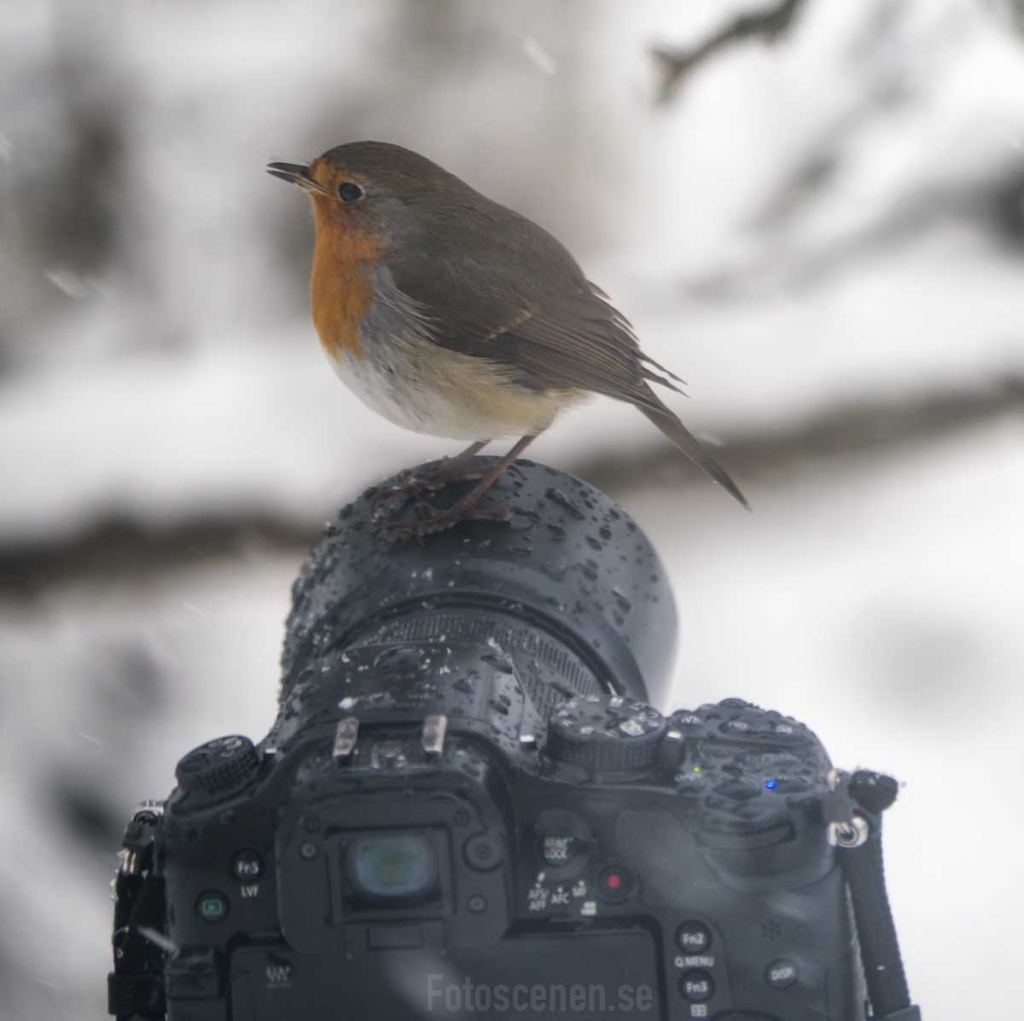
point(375, 189)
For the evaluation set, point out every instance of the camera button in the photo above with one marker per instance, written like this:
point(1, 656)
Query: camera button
point(246, 865)
point(736, 725)
point(558, 849)
point(219, 767)
point(697, 986)
point(693, 938)
point(786, 731)
point(682, 719)
point(562, 841)
point(211, 906)
point(780, 974)
point(483, 851)
point(615, 884)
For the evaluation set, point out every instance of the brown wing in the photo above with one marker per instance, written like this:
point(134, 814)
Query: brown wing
point(577, 342)
point(499, 287)
point(517, 297)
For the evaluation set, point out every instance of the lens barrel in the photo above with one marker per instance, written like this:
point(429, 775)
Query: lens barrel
point(569, 588)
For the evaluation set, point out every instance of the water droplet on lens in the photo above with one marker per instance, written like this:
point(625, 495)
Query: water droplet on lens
point(557, 496)
point(555, 571)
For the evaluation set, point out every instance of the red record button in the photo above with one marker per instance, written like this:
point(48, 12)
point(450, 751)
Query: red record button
point(615, 883)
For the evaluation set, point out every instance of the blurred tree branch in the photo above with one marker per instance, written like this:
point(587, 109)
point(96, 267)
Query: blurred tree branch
point(769, 24)
point(118, 550)
point(992, 205)
point(1013, 11)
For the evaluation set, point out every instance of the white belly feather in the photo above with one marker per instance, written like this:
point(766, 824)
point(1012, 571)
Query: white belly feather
point(403, 374)
point(405, 402)
point(444, 393)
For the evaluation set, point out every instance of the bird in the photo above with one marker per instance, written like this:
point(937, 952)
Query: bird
point(455, 316)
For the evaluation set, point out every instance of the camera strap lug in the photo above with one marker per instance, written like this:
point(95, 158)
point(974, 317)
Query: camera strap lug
point(853, 809)
point(135, 988)
point(846, 827)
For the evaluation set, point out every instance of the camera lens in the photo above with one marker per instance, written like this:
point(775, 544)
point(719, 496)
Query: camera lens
point(392, 868)
point(569, 589)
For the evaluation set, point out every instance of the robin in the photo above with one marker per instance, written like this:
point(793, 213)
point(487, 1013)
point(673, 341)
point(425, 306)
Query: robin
point(452, 315)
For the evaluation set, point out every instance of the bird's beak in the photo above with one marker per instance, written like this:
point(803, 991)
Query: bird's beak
point(295, 173)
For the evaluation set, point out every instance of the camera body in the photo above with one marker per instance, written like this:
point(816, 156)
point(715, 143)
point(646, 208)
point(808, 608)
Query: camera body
point(388, 850)
point(467, 807)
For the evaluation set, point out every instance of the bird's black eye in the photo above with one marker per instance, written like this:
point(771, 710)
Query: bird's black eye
point(349, 192)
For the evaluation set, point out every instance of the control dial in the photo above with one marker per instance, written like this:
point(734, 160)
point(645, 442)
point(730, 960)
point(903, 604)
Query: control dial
point(219, 766)
point(605, 734)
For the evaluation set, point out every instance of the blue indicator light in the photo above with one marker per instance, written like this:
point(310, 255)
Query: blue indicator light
point(771, 784)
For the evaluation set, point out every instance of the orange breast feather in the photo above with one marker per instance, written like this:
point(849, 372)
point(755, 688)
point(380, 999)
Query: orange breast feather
point(342, 288)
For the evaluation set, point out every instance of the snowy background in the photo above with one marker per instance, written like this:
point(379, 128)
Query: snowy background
point(824, 235)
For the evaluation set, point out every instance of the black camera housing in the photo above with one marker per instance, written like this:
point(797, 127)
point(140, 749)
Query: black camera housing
point(465, 799)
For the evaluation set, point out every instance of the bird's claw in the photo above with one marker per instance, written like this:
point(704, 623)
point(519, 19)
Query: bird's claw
point(442, 520)
point(411, 484)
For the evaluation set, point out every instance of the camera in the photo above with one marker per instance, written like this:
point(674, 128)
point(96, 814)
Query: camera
point(468, 807)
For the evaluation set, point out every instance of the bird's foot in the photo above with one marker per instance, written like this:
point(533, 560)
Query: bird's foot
point(412, 483)
point(432, 520)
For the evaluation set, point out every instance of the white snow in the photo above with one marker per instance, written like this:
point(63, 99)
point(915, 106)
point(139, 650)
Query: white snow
point(877, 598)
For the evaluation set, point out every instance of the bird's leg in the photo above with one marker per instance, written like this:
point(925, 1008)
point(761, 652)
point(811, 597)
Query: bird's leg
point(452, 469)
point(465, 509)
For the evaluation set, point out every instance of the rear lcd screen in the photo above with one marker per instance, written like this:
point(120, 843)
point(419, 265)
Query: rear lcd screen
point(560, 977)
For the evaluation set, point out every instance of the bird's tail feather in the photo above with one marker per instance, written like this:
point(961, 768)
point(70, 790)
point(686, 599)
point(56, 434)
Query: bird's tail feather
point(670, 425)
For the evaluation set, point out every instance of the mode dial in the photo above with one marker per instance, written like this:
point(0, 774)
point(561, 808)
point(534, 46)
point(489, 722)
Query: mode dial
point(605, 734)
point(219, 766)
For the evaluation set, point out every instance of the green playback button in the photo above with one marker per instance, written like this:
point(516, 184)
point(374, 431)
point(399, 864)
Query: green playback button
point(212, 906)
